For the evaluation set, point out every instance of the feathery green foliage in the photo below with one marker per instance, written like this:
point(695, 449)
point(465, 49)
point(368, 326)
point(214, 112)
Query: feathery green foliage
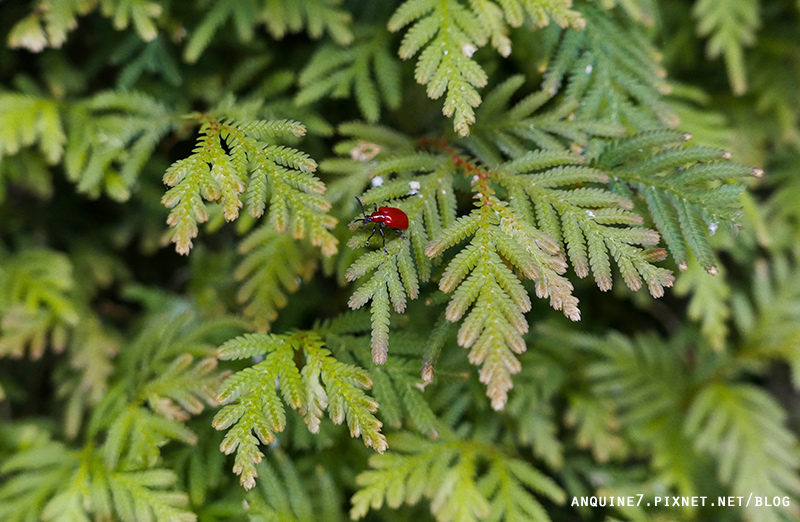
point(272, 266)
point(394, 281)
point(284, 495)
point(25, 120)
point(610, 71)
point(337, 72)
point(276, 173)
point(688, 212)
point(731, 26)
point(279, 16)
point(500, 490)
point(254, 412)
point(35, 303)
point(448, 33)
point(542, 150)
point(50, 22)
point(85, 488)
point(112, 136)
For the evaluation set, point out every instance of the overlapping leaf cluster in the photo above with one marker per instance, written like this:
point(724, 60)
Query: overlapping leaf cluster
point(472, 481)
point(118, 473)
point(559, 163)
point(555, 207)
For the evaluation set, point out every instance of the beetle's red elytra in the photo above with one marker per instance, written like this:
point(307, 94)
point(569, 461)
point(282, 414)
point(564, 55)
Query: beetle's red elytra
point(391, 217)
point(384, 217)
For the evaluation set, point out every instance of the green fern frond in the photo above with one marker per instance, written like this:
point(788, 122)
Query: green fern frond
point(252, 398)
point(366, 70)
point(112, 136)
point(243, 15)
point(512, 130)
point(731, 26)
point(32, 476)
point(766, 316)
point(625, 373)
point(144, 492)
point(279, 16)
point(58, 19)
point(463, 480)
point(136, 435)
point(743, 427)
point(685, 188)
point(56, 483)
point(450, 33)
point(595, 224)
point(157, 387)
point(397, 382)
point(35, 303)
point(246, 165)
point(480, 279)
point(537, 424)
point(92, 348)
point(596, 427)
point(394, 281)
point(317, 16)
point(25, 120)
point(273, 265)
point(539, 13)
point(709, 304)
point(612, 71)
point(183, 388)
point(286, 493)
point(137, 58)
point(50, 22)
point(141, 13)
point(649, 383)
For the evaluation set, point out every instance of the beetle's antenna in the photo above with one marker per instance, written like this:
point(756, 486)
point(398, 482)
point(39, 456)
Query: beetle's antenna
point(363, 212)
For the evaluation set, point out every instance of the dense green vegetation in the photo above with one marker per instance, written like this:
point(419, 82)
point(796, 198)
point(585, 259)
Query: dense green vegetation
point(597, 295)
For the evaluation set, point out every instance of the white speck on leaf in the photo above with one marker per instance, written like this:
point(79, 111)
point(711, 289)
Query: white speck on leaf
point(377, 181)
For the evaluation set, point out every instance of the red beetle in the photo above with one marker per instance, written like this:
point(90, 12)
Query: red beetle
point(384, 217)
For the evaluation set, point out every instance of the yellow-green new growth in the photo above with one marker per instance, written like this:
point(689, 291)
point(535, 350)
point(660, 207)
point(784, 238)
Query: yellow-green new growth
point(448, 33)
point(394, 280)
point(254, 411)
point(480, 278)
point(247, 165)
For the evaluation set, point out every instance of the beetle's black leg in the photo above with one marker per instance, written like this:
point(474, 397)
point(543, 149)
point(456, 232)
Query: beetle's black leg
point(400, 232)
point(384, 238)
point(373, 233)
